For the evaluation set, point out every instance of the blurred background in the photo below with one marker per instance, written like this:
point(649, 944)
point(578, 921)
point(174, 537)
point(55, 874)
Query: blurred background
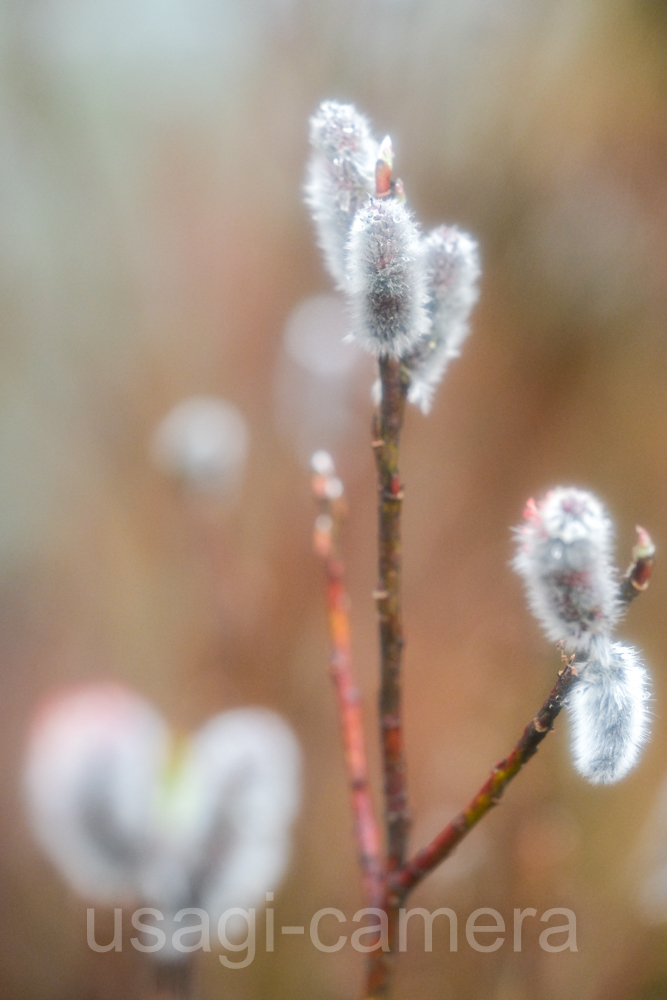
point(154, 246)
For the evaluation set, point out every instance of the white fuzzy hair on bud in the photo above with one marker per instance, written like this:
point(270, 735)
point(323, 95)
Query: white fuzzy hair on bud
point(451, 264)
point(564, 558)
point(341, 176)
point(386, 284)
point(94, 753)
point(609, 715)
point(127, 812)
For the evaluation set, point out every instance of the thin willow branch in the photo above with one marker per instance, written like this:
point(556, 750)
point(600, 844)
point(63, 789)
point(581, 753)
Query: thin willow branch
point(635, 581)
point(489, 794)
point(386, 436)
point(387, 424)
point(327, 546)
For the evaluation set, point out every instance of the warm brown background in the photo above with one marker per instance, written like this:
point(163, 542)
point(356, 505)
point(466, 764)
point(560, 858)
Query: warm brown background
point(152, 245)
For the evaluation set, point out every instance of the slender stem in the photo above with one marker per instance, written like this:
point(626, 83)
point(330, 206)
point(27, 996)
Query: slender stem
point(387, 425)
point(327, 545)
point(489, 794)
point(387, 430)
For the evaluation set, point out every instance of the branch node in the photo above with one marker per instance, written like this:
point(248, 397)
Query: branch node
point(391, 722)
point(388, 495)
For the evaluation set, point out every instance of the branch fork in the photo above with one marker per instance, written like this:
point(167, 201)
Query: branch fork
point(387, 882)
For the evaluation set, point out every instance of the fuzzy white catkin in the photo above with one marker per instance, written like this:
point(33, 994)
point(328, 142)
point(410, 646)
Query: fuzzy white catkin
point(609, 715)
point(385, 279)
point(451, 264)
point(94, 756)
point(564, 557)
point(341, 176)
point(251, 760)
point(126, 812)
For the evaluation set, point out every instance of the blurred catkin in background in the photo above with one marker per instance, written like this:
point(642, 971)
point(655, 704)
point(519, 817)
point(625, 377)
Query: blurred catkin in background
point(154, 246)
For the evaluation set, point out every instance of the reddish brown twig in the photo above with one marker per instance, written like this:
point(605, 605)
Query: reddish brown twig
point(387, 424)
point(386, 435)
point(328, 492)
point(489, 794)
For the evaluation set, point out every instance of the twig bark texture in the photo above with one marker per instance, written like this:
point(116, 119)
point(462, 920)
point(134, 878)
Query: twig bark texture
point(327, 545)
point(387, 426)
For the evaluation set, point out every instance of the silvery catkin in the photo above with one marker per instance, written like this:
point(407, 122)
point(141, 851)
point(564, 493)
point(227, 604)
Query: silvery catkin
point(341, 176)
point(385, 279)
point(452, 270)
